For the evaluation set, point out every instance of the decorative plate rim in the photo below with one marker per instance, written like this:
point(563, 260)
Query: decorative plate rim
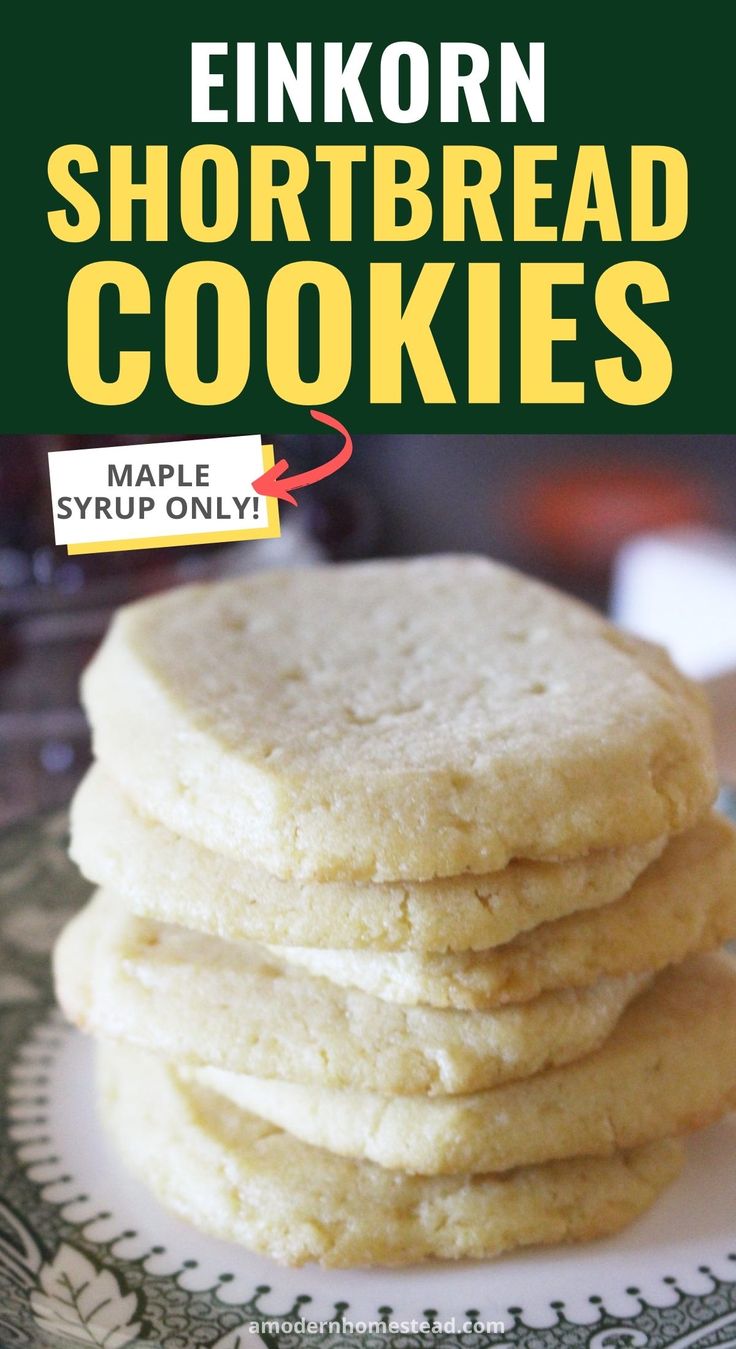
point(59, 1280)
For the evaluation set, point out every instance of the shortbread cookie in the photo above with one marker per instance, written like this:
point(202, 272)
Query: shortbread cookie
point(165, 876)
point(684, 903)
point(668, 1068)
point(395, 720)
point(200, 999)
point(237, 1178)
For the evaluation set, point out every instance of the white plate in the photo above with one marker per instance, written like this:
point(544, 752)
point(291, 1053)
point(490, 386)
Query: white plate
point(88, 1257)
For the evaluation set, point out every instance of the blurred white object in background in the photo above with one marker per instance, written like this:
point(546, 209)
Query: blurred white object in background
point(678, 588)
point(295, 548)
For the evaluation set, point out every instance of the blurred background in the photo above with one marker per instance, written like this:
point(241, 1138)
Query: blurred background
point(641, 526)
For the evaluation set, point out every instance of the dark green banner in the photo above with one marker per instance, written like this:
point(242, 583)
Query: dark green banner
point(467, 219)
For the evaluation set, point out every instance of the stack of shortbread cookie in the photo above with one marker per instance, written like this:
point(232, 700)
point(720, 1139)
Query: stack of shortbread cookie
point(410, 893)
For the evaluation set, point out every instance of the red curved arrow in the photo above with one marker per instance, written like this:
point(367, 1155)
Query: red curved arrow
point(272, 483)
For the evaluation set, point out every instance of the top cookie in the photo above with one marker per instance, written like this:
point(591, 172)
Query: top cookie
point(392, 720)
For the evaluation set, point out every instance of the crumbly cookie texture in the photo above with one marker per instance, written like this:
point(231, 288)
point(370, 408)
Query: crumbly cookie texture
point(669, 1067)
point(683, 903)
point(165, 876)
point(237, 1178)
point(392, 720)
point(198, 999)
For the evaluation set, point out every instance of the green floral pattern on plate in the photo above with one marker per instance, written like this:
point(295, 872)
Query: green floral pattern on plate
point(58, 1288)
